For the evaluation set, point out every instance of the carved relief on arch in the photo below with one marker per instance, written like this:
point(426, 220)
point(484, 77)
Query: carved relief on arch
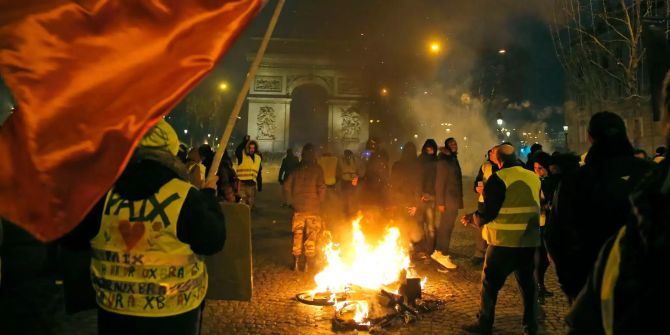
point(295, 81)
point(351, 123)
point(266, 123)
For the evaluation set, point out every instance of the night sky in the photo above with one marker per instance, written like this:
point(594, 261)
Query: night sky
point(388, 39)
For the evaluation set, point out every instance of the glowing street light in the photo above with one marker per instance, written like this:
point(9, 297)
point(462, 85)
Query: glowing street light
point(384, 92)
point(507, 133)
point(435, 47)
point(223, 86)
point(565, 129)
point(416, 136)
point(185, 131)
point(502, 51)
point(499, 121)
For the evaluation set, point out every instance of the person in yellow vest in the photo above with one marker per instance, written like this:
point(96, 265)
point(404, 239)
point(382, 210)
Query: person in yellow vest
point(661, 152)
point(248, 171)
point(511, 227)
point(485, 172)
point(328, 163)
point(146, 237)
point(627, 289)
point(196, 170)
point(348, 170)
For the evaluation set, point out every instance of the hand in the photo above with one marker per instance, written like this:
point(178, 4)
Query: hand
point(211, 183)
point(354, 181)
point(479, 189)
point(411, 211)
point(466, 219)
point(441, 208)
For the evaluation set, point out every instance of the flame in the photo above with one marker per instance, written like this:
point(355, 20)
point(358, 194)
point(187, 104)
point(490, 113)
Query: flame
point(369, 267)
point(361, 312)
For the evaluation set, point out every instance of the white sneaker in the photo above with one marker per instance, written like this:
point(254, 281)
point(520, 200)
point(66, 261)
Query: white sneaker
point(448, 263)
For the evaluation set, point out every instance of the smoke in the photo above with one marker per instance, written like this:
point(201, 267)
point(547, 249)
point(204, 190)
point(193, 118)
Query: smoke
point(442, 112)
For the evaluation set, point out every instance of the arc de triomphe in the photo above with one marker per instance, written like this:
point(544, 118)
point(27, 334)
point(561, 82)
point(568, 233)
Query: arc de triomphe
point(290, 64)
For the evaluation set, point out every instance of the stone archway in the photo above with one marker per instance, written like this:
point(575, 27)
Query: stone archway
point(287, 68)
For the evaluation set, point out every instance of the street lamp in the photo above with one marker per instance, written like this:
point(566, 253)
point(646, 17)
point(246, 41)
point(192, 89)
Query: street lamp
point(384, 91)
point(435, 47)
point(223, 86)
point(502, 51)
point(565, 131)
point(185, 131)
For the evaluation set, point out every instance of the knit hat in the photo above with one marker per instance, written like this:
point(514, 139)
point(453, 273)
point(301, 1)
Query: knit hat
point(606, 125)
point(161, 137)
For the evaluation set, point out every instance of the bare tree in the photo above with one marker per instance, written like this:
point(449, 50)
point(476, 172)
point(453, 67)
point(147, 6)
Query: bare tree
point(598, 43)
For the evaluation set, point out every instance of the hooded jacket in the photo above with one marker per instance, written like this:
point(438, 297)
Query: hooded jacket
point(428, 167)
point(305, 187)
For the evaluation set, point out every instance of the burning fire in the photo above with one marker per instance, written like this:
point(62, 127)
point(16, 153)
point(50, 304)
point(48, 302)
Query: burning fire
point(368, 267)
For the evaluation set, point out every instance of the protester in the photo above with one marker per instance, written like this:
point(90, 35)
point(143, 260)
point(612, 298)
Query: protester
point(640, 153)
point(448, 198)
point(328, 163)
point(428, 160)
point(549, 182)
point(348, 172)
point(625, 291)
point(228, 183)
point(249, 170)
point(592, 204)
point(306, 190)
point(661, 152)
point(510, 221)
point(406, 194)
point(152, 222)
point(534, 149)
point(288, 164)
point(488, 168)
point(206, 156)
point(196, 170)
point(375, 182)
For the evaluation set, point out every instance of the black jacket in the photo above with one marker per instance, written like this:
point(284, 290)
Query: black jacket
point(406, 183)
point(639, 287)
point(288, 164)
point(589, 207)
point(449, 182)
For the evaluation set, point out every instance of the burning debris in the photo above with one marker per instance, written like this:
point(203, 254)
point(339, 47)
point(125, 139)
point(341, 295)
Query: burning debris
point(370, 287)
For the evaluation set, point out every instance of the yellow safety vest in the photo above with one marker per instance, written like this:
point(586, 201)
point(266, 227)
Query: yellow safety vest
point(658, 159)
point(610, 277)
point(517, 223)
point(487, 171)
point(248, 169)
point(329, 166)
point(348, 171)
point(139, 267)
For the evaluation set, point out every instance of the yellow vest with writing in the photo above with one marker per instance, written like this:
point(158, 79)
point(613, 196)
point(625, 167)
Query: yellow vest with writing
point(139, 267)
point(248, 169)
point(329, 166)
point(518, 222)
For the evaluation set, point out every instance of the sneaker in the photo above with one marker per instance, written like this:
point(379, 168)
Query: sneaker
point(476, 328)
point(448, 263)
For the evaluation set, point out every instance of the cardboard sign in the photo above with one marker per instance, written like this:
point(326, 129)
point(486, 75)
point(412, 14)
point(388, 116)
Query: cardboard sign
point(230, 271)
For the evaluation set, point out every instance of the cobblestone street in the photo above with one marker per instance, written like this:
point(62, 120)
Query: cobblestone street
point(274, 309)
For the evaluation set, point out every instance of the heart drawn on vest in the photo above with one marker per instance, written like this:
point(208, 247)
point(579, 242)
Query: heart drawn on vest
point(131, 233)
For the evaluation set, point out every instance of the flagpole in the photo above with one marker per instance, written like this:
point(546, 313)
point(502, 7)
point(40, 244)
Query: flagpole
point(243, 92)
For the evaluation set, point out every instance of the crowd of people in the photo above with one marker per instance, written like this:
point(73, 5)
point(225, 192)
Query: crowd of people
point(601, 219)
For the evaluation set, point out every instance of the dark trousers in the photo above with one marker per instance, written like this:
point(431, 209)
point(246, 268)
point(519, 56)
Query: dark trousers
point(480, 243)
point(542, 261)
point(499, 263)
point(445, 229)
point(429, 229)
point(184, 324)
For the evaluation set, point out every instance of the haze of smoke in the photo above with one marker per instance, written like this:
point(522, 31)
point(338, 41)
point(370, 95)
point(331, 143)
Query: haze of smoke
point(442, 114)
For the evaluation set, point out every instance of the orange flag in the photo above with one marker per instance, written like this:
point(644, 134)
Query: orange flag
point(90, 77)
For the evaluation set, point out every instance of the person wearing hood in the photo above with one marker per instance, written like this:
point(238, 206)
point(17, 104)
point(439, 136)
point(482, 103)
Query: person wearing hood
point(592, 204)
point(448, 198)
point(406, 193)
point(428, 161)
point(549, 182)
point(146, 236)
point(248, 170)
point(305, 189)
point(625, 287)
